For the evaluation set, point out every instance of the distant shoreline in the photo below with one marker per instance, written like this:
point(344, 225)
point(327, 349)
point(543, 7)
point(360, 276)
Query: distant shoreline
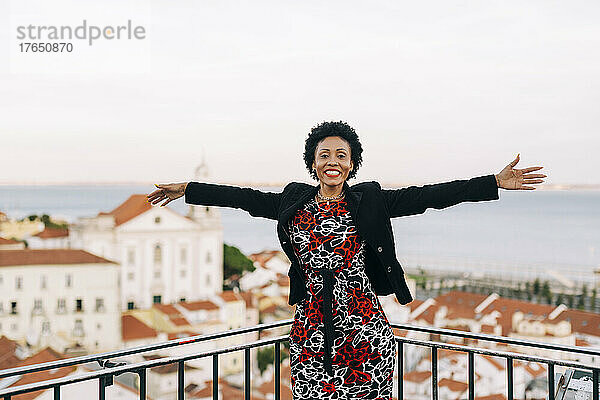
point(548, 187)
point(545, 187)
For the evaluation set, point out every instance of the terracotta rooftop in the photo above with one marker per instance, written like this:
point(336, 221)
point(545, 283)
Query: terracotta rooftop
point(497, 396)
point(583, 322)
point(199, 305)
point(45, 355)
point(250, 299)
point(8, 241)
point(135, 205)
point(51, 233)
point(132, 329)
point(229, 295)
point(455, 386)
point(417, 376)
point(49, 257)
point(8, 353)
point(172, 313)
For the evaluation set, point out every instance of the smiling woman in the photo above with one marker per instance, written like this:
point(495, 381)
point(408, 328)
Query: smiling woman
point(340, 243)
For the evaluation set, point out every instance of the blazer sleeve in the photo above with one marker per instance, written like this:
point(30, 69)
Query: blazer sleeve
point(416, 199)
point(257, 203)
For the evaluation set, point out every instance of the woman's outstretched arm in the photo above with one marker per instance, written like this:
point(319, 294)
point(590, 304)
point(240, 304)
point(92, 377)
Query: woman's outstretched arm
point(416, 199)
point(256, 202)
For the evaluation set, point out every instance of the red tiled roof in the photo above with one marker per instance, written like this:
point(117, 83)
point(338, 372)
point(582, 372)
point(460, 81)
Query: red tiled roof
point(49, 257)
point(8, 353)
point(135, 205)
point(496, 396)
point(455, 386)
point(4, 241)
point(168, 309)
point(45, 355)
point(457, 298)
point(585, 322)
point(199, 305)
point(132, 329)
point(250, 299)
point(50, 233)
point(172, 313)
point(489, 329)
point(230, 295)
point(417, 376)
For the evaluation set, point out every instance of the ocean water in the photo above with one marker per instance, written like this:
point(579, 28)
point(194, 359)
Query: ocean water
point(553, 234)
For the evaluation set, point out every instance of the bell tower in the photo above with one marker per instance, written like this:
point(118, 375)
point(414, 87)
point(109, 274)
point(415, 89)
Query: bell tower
point(209, 217)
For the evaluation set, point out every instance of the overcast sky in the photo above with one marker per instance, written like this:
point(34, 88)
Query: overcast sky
point(436, 90)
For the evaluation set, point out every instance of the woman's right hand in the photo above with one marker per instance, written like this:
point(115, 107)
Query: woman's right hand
point(167, 191)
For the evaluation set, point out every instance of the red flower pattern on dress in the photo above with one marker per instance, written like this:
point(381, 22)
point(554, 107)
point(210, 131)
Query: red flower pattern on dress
point(323, 236)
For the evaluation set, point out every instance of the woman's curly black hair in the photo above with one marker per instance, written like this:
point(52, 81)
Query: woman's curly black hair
point(326, 129)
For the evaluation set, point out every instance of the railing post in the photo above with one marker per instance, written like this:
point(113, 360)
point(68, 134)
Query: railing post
point(56, 392)
point(400, 370)
point(142, 374)
point(550, 381)
point(277, 365)
point(247, 374)
point(596, 383)
point(180, 380)
point(471, 375)
point(215, 377)
point(509, 377)
point(434, 386)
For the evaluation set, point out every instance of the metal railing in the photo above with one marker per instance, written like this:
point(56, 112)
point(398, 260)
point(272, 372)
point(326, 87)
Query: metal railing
point(111, 369)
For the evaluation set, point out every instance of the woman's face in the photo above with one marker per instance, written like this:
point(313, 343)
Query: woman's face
point(333, 155)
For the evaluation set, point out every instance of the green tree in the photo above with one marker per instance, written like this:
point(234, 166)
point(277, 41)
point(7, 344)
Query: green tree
point(571, 300)
point(32, 217)
point(594, 294)
point(546, 293)
point(235, 262)
point(559, 299)
point(536, 286)
point(266, 356)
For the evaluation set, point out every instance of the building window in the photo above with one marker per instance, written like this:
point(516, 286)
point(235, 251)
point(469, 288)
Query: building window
point(157, 299)
point(98, 326)
point(1, 280)
point(182, 300)
point(157, 273)
point(183, 255)
point(78, 305)
point(130, 276)
point(131, 256)
point(99, 304)
point(13, 307)
point(157, 220)
point(208, 257)
point(69, 280)
point(46, 327)
point(19, 282)
point(61, 306)
point(14, 327)
point(78, 329)
point(182, 273)
point(1, 307)
point(37, 306)
point(43, 282)
point(207, 280)
point(130, 305)
point(157, 254)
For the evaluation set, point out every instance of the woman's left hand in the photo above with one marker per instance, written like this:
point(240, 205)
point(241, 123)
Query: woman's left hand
point(516, 179)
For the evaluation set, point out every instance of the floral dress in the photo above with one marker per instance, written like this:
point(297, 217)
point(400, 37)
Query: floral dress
point(341, 343)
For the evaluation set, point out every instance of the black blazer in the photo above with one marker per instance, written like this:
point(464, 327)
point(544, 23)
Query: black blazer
point(371, 208)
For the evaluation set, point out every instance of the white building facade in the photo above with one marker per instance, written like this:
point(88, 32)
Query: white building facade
point(62, 298)
point(165, 257)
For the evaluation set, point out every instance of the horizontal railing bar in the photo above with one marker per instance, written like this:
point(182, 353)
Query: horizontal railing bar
point(504, 354)
point(135, 350)
point(134, 367)
point(501, 339)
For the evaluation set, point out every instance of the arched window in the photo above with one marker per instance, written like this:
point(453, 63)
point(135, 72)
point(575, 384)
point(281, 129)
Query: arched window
point(157, 254)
